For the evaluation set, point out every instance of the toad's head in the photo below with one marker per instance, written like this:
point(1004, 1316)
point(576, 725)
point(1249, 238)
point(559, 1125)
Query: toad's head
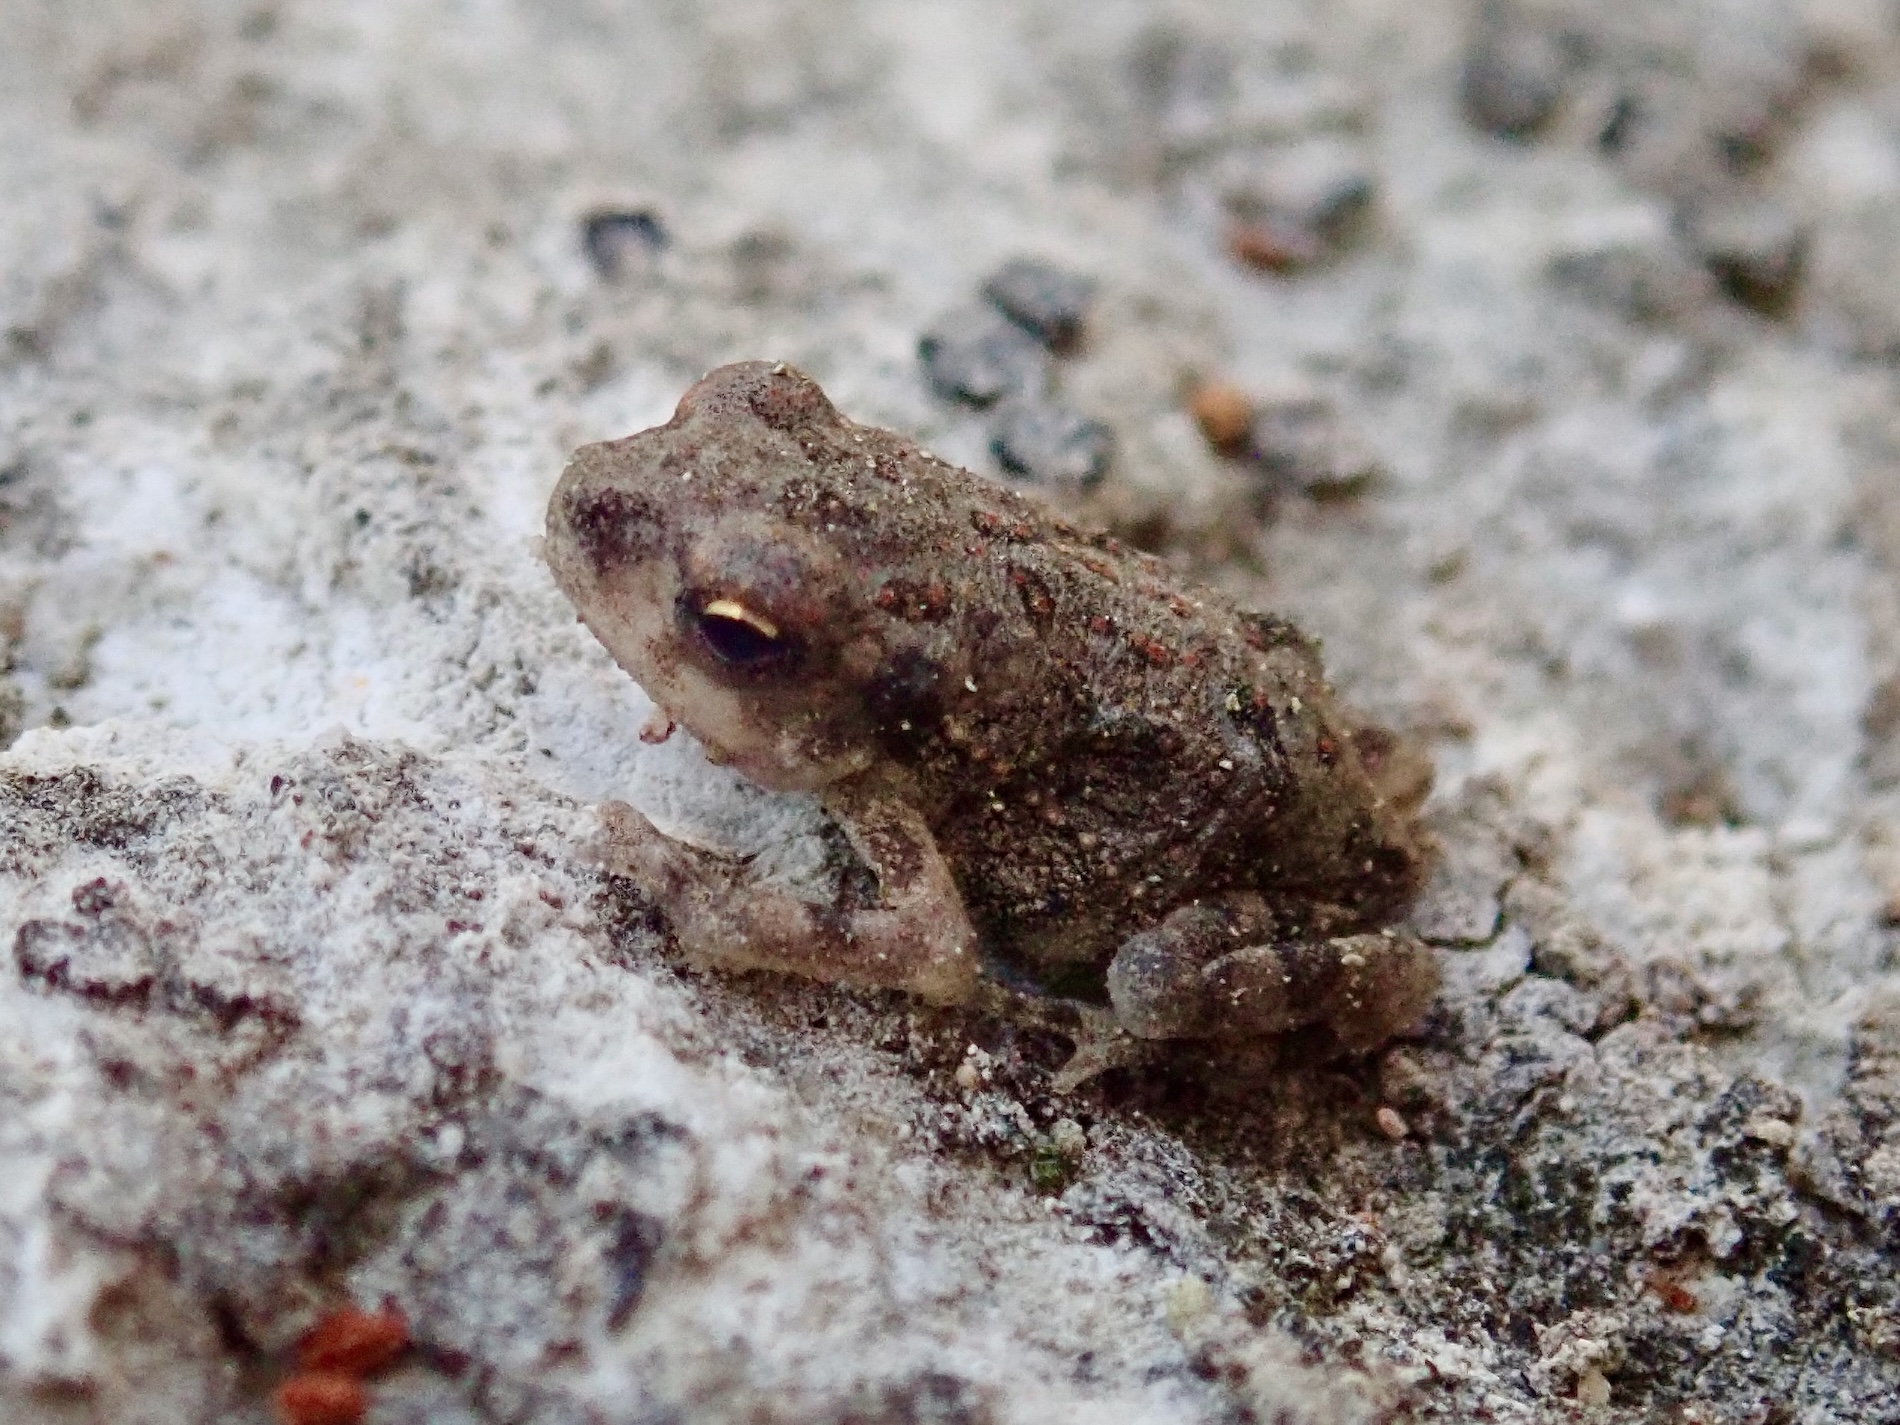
point(688, 550)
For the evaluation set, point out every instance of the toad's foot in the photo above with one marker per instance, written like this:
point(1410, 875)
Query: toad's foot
point(721, 915)
point(1213, 969)
point(1101, 1043)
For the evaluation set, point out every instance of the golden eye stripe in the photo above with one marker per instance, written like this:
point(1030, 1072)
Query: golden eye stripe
point(739, 613)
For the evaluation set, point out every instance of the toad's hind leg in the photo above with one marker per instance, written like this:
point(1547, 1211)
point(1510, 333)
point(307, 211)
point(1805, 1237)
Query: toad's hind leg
point(1215, 969)
point(1101, 1042)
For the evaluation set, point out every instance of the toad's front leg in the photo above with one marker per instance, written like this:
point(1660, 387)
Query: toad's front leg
point(914, 937)
point(1216, 968)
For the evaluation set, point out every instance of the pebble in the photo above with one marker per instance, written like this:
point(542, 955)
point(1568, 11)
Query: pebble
point(1050, 444)
point(1515, 71)
point(353, 1342)
point(1189, 1301)
point(1045, 301)
point(1593, 1387)
point(977, 355)
point(1069, 1139)
point(1755, 249)
point(1292, 209)
point(617, 238)
point(1301, 442)
point(1224, 413)
point(321, 1400)
point(1272, 246)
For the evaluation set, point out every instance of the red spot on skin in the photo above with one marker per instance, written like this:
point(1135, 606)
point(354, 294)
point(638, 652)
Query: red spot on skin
point(321, 1400)
point(354, 1342)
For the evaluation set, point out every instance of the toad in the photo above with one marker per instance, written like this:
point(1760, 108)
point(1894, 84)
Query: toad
point(1077, 789)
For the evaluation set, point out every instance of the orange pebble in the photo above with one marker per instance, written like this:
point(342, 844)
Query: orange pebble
point(319, 1399)
point(1223, 412)
point(1674, 1295)
point(353, 1342)
point(1271, 247)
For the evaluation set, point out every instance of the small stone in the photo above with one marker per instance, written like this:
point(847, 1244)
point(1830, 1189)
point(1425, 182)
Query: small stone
point(1392, 1123)
point(617, 238)
point(1290, 210)
point(1224, 413)
point(1775, 1132)
point(1051, 444)
point(1069, 1139)
point(979, 356)
point(353, 1342)
point(1515, 72)
point(1674, 1295)
point(1756, 250)
point(1045, 301)
point(1301, 442)
point(1189, 1301)
point(1593, 1388)
point(1272, 246)
point(968, 1077)
point(321, 1399)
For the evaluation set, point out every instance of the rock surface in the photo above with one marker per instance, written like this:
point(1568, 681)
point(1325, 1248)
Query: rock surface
point(311, 993)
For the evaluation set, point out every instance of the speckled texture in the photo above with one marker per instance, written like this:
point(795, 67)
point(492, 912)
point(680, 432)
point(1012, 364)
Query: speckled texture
point(299, 325)
point(1051, 752)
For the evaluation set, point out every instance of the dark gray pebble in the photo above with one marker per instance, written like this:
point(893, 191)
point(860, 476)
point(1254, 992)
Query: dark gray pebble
point(615, 238)
point(1051, 444)
point(1756, 249)
point(1293, 207)
point(977, 355)
point(1516, 69)
point(1047, 302)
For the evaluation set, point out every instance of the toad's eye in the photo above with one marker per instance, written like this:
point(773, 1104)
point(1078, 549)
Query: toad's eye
point(739, 637)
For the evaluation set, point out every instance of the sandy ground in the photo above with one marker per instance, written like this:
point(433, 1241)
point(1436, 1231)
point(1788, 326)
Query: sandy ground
point(313, 993)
